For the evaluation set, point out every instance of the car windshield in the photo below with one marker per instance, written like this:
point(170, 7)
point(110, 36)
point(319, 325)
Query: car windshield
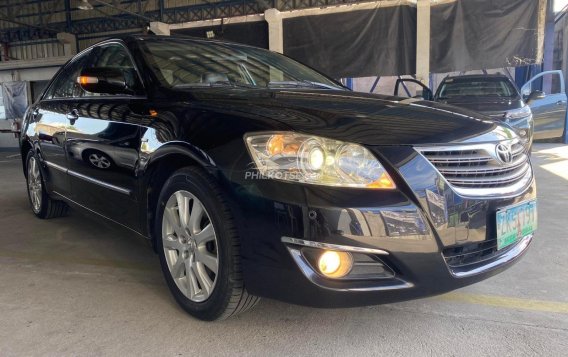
point(480, 87)
point(185, 63)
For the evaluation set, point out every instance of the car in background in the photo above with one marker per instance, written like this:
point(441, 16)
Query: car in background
point(493, 95)
point(531, 112)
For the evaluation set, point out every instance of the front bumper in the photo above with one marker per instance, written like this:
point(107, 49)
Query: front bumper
point(419, 232)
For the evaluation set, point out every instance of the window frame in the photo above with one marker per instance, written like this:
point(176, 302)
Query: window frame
point(89, 53)
point(528, 84)
point(62, 72)
point(143, 92)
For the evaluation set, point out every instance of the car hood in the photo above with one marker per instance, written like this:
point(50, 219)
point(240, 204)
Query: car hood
point(485, 104)
point(354, 117)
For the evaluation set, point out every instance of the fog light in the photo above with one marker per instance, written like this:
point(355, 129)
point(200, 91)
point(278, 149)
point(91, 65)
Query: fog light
point(335, 264)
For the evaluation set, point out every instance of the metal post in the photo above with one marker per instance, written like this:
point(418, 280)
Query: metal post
point(68, 23)
point(547, 62)
point(161, 7)
point(565, 136)
point(374, 86)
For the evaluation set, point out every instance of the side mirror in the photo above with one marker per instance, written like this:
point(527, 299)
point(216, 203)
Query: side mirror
point(535, 95)
point(103, 80)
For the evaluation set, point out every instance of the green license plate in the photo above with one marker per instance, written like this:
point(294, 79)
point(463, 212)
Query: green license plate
point(515, 222)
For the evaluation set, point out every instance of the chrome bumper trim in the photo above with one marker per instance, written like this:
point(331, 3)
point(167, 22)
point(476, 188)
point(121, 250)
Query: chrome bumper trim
point(507, 257)
point(328, 246)
point(346, 285)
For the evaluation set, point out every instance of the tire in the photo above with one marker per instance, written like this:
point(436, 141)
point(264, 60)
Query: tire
point(200, 290)
point(43, 206)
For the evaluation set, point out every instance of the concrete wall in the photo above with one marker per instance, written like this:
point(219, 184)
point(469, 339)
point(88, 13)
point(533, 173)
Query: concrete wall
point(34, 50)
point(29, 74)
point(34, 70)
point(7, 141)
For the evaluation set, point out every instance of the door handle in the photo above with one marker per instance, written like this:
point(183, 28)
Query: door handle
point(560, 102)
point(72, 116)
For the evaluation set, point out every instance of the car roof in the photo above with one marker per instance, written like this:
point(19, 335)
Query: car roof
point(478, 76)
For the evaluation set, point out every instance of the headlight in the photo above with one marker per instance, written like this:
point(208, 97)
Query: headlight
point(311, 159)
point(518, 113)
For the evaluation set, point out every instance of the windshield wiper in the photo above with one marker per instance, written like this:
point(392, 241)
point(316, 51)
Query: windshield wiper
point(232, 84)
point(301, 84)
point(215, 84)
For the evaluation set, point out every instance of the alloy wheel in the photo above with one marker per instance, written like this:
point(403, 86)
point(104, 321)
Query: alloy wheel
point(190, 246)
point(34, 184)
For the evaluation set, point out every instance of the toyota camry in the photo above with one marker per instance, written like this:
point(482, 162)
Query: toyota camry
point(254, 176)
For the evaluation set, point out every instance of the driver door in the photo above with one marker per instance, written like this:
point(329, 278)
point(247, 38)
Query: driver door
point(549, 113)
point(103, 142)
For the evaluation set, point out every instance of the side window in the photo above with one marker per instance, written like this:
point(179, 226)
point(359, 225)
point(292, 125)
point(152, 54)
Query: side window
point(65, 85)
point(116, 56)
point(549, 83)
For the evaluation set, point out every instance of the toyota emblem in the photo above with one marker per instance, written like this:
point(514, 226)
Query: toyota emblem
point(504, 153)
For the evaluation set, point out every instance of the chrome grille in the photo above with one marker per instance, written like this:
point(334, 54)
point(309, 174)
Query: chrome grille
point(473, 167)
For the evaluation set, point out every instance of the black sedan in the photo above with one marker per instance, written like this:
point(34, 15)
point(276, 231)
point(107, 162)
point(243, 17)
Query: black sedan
point(255, 176)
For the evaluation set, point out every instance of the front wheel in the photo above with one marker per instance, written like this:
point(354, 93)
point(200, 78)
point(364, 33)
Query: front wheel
point(199, 247)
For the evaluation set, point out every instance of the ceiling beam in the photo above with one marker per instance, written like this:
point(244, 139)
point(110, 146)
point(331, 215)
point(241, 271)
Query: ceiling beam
point(16, 22)
point(121, 9)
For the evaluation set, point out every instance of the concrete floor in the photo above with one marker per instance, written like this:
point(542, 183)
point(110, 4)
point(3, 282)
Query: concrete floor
point(81, 286)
